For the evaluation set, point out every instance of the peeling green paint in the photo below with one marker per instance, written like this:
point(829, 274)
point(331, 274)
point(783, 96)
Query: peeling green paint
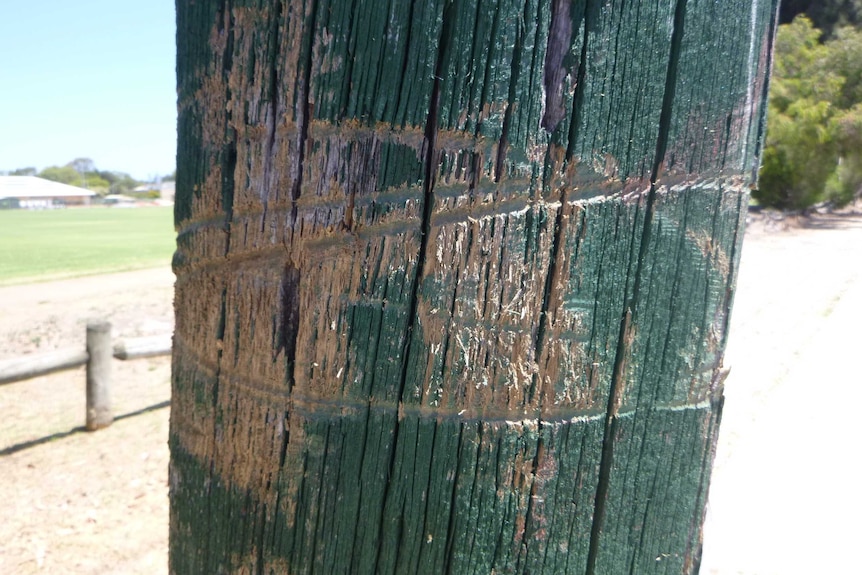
point(454, 280)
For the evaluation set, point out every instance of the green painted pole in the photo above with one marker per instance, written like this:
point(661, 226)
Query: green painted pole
point(454, 280)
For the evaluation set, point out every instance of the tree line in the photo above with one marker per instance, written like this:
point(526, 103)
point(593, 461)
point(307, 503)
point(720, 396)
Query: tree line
point(82, 172)
point(813, 148)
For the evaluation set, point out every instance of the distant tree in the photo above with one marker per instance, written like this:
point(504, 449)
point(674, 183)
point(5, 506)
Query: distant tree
point(844, 58)
point(846, 182)
point(790, 9)
point(83, 165)
point(82, 172)
point(119, 182)
point(827, 15)
point(23, 172)
point(68, 174)
point(799, 157)
point(65, 175)
point(831, 15)
point(813, 147)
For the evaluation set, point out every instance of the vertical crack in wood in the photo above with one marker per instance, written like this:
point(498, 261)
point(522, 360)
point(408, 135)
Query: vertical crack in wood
point(580, 79)
point(503, 144)
point(229, 151)
point(355, 549)
point(284, 425)
point(430, 145)
point(447, 341)
point(625, 334)
point(349, 107)
point(449, 552)
point(426, 529)
point(349, 210)
point(221, 326)
point(664, 123)
point(289, 316)
point(259, 559)
point(405, 63)
point(538, 461)
point(304, 112)
point(644, 532)
point(492, 52)
point(559, 42)
point(273, 113)
point(324, 452)
point(554, 271)
point(229, 156)
point(212, 471)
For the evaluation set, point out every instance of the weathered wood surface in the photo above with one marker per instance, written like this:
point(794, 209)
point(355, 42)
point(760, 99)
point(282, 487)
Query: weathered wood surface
point(453, 280)
point(139, 347)
point(99, 357)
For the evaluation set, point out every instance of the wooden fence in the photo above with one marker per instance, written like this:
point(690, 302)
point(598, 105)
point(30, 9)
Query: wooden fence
point(97, 356)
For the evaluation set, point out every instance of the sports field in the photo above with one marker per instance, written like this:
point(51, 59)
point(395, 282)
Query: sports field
point(53, 244)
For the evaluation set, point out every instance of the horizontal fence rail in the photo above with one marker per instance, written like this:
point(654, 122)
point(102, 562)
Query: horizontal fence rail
point(143, 347)
point(97, 357)
point(30, 366)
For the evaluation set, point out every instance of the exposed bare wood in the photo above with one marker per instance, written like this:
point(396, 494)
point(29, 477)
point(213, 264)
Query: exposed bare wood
point(453, 280)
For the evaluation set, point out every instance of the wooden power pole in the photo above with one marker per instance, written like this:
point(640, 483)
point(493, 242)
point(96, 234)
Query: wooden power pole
point(453, 280)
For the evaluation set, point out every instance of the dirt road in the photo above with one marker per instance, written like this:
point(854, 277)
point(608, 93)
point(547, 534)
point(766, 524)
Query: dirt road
point(78, 502)
point(784, 497)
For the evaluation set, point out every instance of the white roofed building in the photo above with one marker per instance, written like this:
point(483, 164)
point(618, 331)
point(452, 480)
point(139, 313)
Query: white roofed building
point(37, 193)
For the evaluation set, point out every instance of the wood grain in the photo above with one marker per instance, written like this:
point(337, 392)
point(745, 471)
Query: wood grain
point(454, 280)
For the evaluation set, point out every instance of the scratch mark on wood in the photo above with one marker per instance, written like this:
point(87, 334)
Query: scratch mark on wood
point(470, 314)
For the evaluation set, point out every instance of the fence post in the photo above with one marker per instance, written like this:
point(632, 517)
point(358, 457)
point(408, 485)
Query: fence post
point(100, 353)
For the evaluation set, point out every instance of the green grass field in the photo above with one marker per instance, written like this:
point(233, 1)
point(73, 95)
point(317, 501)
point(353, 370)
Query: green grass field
point(53, 244)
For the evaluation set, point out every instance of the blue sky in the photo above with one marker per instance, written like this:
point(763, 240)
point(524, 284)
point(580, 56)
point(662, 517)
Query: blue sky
point(88, 78)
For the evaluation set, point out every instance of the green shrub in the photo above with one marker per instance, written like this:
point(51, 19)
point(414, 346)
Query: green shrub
point(813, 150)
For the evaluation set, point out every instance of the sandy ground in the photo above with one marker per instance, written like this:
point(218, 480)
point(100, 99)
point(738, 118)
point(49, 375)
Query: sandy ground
point(784, 497)
point(78, 502)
